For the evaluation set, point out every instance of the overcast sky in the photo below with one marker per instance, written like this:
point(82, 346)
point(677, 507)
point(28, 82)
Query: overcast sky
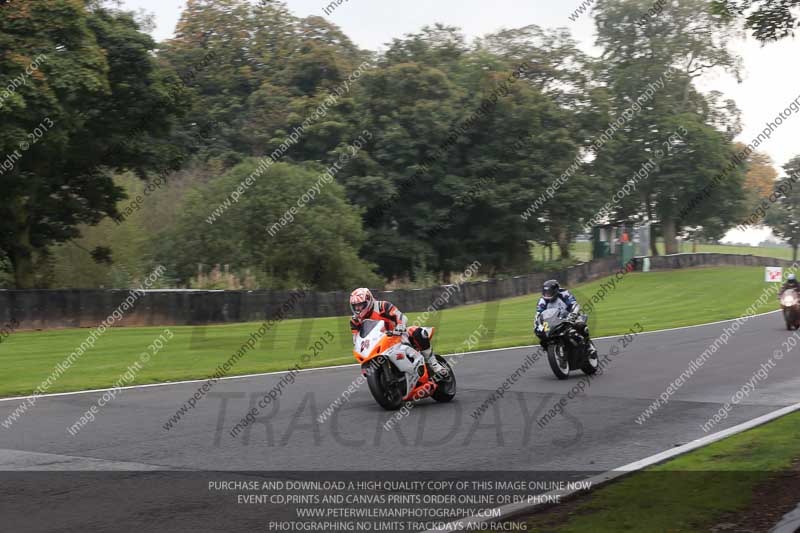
point(771, 79)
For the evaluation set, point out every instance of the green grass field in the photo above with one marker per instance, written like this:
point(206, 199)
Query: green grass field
point(780, 253)
point(583, 250)
point(691, 493)
point(656, 300)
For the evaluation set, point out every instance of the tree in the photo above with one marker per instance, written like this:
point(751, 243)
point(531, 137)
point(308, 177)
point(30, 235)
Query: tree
point(70, 125)
point(128, 242)
point(240, 52)
point(761, 173)
point(770, 20)
point(784, 216)
point(268, 71)
point(459, 150)
point(410, 109)
point(316, 245)
point(557, 69)
point(696, 164)
point(522, 145)
point(668, 54)
point(438, 46)
point(467, 138)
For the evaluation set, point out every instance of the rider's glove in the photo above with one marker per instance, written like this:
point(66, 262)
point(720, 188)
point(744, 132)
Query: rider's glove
point(400, 328)
point(572, 317)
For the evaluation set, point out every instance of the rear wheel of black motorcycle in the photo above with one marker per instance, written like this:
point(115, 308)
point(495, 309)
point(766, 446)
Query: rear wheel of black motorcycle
point(385, 385)
point(559, 362)
point(592, 363)
point(446, 389)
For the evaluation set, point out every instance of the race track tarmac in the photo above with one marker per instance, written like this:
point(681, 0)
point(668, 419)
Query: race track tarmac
point(597, 431)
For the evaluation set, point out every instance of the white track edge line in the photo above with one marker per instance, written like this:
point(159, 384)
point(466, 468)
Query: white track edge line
point(510, 511)
point(316, 369)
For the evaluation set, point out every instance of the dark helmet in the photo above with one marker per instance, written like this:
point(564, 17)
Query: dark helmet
point(550, 290)
point(792, 279)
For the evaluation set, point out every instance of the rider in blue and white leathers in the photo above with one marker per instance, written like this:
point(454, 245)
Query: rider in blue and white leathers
point(554, 297)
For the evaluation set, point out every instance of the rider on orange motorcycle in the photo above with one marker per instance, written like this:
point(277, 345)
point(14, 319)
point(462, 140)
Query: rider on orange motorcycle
point(365, 307)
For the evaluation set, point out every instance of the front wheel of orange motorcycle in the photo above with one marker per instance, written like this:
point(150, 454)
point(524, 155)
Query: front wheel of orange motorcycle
point(446, 389)
point(386, 384)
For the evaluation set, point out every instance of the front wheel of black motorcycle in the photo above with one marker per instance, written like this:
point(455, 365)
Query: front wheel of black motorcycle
point(559, 362)
point(592, 363)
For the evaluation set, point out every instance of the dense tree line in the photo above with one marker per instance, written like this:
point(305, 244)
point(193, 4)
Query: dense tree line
point(248, 106)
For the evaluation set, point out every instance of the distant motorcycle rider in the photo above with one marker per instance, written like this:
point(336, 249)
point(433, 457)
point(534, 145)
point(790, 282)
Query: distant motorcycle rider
point(554, 297)
point(365, 307)
point(791, 283)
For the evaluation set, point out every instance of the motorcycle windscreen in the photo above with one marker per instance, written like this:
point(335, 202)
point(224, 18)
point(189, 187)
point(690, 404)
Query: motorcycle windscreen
point(368, 326)
point(551, 315)
point(789, 298)
point(371, 333)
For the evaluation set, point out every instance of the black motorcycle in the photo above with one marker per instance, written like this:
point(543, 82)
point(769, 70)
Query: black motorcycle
point(790, 303)
point(566, 348)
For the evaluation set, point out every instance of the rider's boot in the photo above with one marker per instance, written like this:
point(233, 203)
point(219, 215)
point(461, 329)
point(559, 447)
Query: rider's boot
point(590, 348)
point(436, 367)
point(589, 344)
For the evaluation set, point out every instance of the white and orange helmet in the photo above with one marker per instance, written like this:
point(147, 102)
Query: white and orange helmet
point(361, 302)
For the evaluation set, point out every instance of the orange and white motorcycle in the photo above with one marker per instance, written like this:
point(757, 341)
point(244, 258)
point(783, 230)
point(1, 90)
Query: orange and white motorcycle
point(395, 371)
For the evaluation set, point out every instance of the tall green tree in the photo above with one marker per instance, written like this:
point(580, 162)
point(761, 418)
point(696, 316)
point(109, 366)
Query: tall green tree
point(524, 144)
point(770, 20)
point(664, 57)
point(410, 109)
point(784, 216)
point(267, 72)
point(555, 67)
point(68, 127)
point(465, 139)
point(438, 46)
point(316, 244)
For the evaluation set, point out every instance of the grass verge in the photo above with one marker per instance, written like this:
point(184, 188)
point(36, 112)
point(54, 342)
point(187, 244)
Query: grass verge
point(656, 300)
point(713, 486)
point(583, 250)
